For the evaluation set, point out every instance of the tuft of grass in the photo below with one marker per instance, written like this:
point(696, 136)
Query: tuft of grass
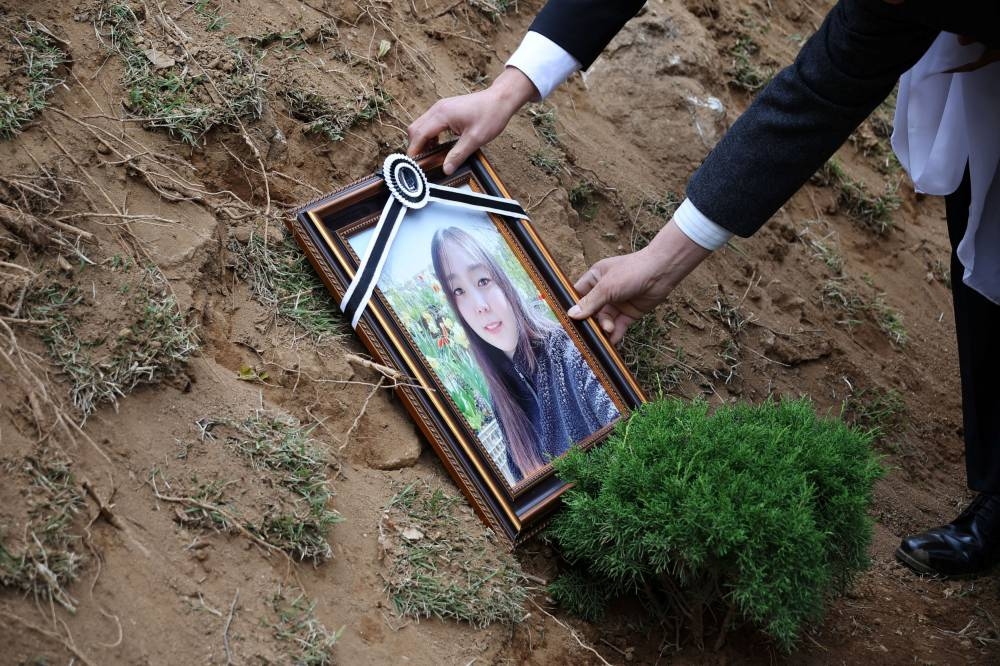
point(874, 410)
point(548, 161)
point(174, 98)
point(730, 315)
point(657, 367)
point(543, 119)
point(729, 356)
point(494, 9)
point(46, 561)
point(285, 448)
point(441, 566)
point(34, 79)
point(155, 345)
point(310, 642)
point(583, 198)
point(889, 321)
point(280, 277)
point(323, 117)
point(298, 519)
point(838, 294)
point(828, 255)
point(664, 207)
point(210, 15)
point(871, 212)
point(746, 74)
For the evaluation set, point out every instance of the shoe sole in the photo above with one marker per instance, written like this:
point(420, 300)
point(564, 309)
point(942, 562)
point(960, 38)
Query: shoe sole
point(920, 568)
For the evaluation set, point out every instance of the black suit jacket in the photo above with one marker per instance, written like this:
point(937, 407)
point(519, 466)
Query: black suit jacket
point(809, 109)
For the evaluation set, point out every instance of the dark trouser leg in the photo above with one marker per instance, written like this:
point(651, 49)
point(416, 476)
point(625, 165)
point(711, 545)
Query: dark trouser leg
point(977, 324)
point(970, 544)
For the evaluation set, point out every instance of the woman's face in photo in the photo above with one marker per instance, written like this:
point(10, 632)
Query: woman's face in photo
point(481, 302)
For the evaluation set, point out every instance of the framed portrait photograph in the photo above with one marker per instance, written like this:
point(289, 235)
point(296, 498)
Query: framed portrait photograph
point(445, 280)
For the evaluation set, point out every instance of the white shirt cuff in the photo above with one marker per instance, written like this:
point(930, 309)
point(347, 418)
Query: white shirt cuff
point(693, 223)
point(543, 61)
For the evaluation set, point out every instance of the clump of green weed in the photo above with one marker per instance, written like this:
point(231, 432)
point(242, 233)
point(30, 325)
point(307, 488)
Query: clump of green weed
point(664, 207)
point(280, 277)
point(583, 198)
point(871, 212)
point(745, 72)
point(493, 8)
point(332, 121)
point(172, 96)
point(309, 641)
point(549, 162)
point(35, 58)
point(297, 519)
point(155, 344)
point(756, 514)
point(47, 560)
point(441, 564)
point(543, 119)
point(875, 410)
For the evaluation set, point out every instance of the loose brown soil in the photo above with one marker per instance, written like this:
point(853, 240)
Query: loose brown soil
point(158, 588)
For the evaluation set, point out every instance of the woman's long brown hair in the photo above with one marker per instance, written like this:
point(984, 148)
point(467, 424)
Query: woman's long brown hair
point(521, 435)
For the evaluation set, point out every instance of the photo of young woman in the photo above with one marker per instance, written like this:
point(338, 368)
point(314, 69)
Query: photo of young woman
point(544, 394)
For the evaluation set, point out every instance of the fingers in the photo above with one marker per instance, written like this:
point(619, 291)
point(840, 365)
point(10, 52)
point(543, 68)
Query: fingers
point(423, 131)
point(467, 144)
point(589, 304)
point(587, 281)
point(621, 324)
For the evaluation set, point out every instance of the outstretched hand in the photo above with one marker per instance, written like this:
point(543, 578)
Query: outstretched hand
point(476, 118)
point(619, 290)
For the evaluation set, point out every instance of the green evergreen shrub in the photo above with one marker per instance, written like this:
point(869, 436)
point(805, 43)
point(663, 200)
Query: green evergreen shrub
point(752, 513)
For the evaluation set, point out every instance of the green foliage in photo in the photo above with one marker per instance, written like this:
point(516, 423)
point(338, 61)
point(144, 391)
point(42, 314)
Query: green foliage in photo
point(420, 304)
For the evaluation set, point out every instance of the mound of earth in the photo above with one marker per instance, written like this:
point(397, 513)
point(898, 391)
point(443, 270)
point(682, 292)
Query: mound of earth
point(169, 362)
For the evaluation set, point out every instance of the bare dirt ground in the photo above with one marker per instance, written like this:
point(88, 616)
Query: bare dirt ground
point(136, 498)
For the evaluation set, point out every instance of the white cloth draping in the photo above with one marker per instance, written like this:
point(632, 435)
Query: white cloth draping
point(945, 121)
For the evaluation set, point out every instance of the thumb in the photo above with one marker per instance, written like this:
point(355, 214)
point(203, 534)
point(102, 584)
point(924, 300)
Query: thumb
point(466, 146)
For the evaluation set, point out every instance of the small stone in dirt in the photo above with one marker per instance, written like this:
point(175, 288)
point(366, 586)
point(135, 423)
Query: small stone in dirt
point(412, 534)
point(159, 59)
point(241, 234)
point(125, 332)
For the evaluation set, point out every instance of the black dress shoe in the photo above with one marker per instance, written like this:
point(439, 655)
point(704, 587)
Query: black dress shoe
point(967, 546)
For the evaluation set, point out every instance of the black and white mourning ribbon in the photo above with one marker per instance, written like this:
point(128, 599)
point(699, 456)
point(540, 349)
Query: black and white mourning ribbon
point(409, 189)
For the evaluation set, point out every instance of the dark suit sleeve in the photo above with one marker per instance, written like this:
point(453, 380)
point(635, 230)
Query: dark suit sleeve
point(807, 111)
point(584, 27)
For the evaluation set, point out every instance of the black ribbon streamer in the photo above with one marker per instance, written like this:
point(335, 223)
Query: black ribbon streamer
point(409, 188)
